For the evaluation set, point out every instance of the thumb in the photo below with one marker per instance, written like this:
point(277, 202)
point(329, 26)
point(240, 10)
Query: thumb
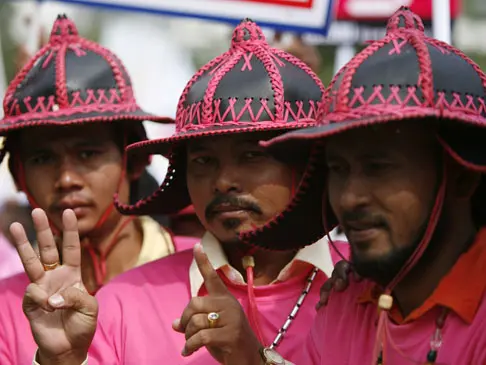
point(212, 281)
point(75, 298)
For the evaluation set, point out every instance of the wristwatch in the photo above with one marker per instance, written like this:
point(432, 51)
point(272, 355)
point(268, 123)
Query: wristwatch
point(271, 357)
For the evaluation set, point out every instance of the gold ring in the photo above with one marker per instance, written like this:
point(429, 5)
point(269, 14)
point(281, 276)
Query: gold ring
point(49, 267)
point(213, 318)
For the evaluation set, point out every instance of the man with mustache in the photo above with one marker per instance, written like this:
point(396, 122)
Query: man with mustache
point(405, 161)
point(68, 115)
point(249, 93)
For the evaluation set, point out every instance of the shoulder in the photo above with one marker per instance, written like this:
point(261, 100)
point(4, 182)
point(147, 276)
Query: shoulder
point(351, 301)
point(343, 318)
point(153, 230)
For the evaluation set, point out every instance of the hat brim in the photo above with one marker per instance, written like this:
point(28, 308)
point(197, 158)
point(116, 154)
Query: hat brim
point(71, 117)
point(164, 146)
point(330, 129)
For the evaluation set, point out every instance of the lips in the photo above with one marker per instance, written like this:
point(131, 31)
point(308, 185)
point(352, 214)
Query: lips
point(228, 208)
point(360, 232)
point(72, 204)
point(360, 226)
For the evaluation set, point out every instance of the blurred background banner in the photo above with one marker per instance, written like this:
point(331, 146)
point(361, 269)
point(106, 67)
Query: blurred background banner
point(380, 10)
point(313, 16)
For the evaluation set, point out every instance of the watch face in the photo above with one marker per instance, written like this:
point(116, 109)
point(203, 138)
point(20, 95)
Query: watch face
point(273, 357)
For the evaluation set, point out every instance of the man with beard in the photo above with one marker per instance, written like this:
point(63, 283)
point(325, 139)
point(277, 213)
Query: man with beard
point(249, 93)
point(68, 115)
point(404, 156)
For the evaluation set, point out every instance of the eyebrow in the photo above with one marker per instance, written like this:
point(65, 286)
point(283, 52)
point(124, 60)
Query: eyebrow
point(375, 155)
point(198, 146)
point(89, 143)
point(42, 147)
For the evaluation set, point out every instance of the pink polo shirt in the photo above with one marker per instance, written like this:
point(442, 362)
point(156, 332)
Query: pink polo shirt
point(137, 308)
point(344, 332)
point(10, 263)
point(16, 343)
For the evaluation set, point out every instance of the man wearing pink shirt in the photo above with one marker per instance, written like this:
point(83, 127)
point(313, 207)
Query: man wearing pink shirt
point(234, 296)
point(69, 114)
point(405, 160)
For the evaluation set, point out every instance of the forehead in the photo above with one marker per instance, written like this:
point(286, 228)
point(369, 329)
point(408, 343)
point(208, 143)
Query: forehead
point(44, 136)
point(391, 139)
point(229, 140)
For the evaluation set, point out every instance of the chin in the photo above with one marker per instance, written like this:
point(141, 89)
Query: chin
point(380, 267)
point(85, 226)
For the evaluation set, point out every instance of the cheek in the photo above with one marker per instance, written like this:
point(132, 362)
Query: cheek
point(274, 191)
point(332, 193)
point(106, 181)
point(407, 210)
point(39, 184)
point(200, 195)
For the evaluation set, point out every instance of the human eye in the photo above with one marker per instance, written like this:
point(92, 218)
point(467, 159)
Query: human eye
point(201, 160)
point(87, 154)
point(254, 154)
point(40, 158)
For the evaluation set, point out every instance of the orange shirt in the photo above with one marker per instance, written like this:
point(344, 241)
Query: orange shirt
point(461, 290)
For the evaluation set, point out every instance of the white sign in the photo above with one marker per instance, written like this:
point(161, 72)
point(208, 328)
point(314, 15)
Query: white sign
point(292, 15)
point(374, 8)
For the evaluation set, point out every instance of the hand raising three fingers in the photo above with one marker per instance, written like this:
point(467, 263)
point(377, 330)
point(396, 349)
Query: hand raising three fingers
point(61, 313)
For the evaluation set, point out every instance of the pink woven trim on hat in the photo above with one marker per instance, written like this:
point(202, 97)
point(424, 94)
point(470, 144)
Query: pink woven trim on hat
point(44, 110)
point(180, 122)
point(380, 117)
point(238, 128)
point(270, 62)
point(300, 64)
point(122, 94)
point(207, 115)
point(192, 114)
point(377, 103)
point(94, 100)
point(77, 121)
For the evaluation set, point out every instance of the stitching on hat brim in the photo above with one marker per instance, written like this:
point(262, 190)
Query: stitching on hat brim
point(331, 129)
point(163, 146)
point(79, 121)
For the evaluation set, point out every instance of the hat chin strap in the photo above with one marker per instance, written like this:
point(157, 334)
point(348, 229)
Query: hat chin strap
point(248, 262)
point(98, 257)
point(382, 334)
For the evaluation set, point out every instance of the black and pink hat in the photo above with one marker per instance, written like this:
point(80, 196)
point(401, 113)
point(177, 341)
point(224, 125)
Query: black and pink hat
point(71, 80)
point(250, 88)
point(403, 76)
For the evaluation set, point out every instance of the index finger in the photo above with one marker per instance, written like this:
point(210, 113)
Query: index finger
point(32, 265)
point(71, 247)
point(212, 281)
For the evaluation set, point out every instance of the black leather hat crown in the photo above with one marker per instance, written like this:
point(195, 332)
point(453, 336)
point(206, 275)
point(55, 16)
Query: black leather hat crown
point(70, 80)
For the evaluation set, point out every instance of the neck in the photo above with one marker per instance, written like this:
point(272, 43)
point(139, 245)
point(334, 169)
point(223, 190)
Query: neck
point(268, 264)
point(441, 255)
point(117, 244)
